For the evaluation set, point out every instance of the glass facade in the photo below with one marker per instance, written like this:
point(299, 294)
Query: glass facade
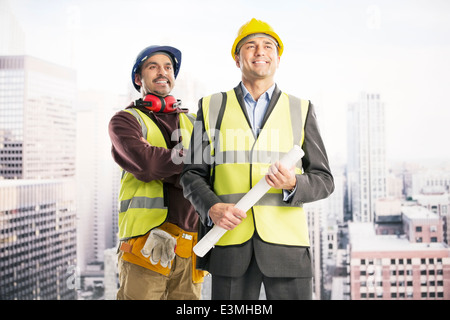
point(12, 84)
point(37, 239)
point(38, 243)
point(37, 121)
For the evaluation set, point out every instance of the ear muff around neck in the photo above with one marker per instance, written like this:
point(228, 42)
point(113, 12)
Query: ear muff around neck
point(158, 104)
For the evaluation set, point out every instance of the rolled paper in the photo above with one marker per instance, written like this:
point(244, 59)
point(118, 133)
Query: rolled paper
point(246, 202)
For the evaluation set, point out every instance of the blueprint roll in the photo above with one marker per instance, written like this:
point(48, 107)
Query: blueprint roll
point(246, 202)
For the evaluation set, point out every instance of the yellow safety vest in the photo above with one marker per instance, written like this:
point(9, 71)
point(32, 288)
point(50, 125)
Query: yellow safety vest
point(142, 206)
point(241, 160)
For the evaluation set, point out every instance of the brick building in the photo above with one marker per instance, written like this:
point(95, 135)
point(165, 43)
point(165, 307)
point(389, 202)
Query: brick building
point(414, 264)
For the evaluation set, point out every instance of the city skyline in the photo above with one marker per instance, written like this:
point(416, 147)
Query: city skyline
point(33, 92)
point(333, 52)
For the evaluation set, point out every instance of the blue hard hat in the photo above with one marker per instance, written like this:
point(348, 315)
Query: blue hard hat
point(174, 53)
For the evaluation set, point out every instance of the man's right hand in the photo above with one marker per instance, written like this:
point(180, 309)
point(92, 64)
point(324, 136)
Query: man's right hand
point(226, 215)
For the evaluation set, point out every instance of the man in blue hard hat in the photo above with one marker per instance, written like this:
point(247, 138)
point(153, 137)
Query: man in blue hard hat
point(157, 225)
point(171, 61)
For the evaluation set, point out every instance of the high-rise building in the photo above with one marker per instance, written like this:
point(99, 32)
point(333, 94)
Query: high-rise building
point(37, 240)
point(315, 211)
point(37, 180)
point(37, 121)
point(12, 36)
point(98, 177)
point(366, 156)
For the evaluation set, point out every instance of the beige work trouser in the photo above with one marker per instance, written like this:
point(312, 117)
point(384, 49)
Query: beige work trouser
point(139, 283)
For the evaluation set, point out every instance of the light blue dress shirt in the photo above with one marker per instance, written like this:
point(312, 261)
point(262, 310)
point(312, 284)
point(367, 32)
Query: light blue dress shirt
point(256, 111)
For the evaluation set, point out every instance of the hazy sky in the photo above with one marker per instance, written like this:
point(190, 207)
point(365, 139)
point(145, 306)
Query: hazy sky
point(333, 51)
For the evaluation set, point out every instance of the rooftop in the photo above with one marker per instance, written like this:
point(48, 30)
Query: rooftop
point(363, 238)
point(419, 212)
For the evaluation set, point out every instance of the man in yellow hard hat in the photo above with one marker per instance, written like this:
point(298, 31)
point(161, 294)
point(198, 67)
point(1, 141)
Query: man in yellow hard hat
point(242, 134)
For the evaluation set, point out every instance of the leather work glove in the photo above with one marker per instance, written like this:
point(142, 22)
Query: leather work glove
point(159, 247)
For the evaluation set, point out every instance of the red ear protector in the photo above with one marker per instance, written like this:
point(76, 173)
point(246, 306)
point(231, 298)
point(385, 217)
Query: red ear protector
point(158, 104)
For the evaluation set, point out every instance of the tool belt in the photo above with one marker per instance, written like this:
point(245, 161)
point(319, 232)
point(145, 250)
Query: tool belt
point(131, 251)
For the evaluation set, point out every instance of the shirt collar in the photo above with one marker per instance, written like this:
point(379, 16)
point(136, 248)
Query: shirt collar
point(267, 94)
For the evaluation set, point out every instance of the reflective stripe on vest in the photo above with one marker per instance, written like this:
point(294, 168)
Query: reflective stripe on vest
point(241, 160)
point(142, 206)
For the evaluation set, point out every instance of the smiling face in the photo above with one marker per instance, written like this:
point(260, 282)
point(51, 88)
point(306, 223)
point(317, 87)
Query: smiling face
point(258, 59)
point(156, 76)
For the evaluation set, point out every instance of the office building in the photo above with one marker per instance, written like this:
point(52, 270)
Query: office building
point(367, 171)
point(315, 211)
point(98, 179)
point(37, 240)
point(12, 36)
point(412, 265)
point(37, 121)
point(37, 180)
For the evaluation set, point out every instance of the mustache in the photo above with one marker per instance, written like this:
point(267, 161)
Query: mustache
point(161, 78)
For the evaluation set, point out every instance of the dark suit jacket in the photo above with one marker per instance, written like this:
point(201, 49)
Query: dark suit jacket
point(274, 260)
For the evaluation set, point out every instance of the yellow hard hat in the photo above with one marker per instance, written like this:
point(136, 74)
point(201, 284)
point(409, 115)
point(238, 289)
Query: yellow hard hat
point(256, 26)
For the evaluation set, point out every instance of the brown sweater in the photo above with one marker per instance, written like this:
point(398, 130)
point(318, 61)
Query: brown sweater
point(146, 163)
